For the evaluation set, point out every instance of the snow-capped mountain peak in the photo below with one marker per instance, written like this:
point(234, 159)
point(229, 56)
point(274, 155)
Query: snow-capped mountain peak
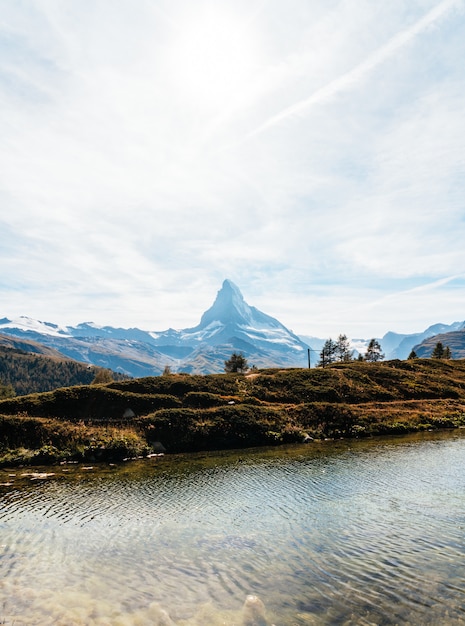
point(230, 321)
point(229, 307)
point(27, 324)
point(232, 311)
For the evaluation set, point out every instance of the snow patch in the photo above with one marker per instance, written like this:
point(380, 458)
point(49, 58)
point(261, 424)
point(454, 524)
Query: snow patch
point(44, 328)
point(272, 335)
point(201, 335)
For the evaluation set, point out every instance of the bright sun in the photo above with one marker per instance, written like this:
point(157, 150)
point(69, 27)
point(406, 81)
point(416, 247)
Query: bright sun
point(213, 58)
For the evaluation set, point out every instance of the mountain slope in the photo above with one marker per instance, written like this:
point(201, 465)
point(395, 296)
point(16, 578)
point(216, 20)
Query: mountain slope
point(32, 372)
point(26, 345)
point(407, 342)
point(454, 340)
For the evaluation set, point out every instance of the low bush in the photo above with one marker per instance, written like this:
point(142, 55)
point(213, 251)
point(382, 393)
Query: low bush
point(202, 400)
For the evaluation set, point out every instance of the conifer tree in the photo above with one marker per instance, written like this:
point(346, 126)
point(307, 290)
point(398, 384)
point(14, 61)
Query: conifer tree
point(438, 352)
point(373, 352)
point(328, 353)
point(237, 363)
point(343, 352)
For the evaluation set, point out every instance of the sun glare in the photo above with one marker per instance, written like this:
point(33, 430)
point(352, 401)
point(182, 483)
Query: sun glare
point(213, 58)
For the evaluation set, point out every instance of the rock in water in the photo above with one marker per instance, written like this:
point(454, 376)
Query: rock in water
point(253, 612)
point(158, 616)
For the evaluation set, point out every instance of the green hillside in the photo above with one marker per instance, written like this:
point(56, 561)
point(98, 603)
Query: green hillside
point(182, 413)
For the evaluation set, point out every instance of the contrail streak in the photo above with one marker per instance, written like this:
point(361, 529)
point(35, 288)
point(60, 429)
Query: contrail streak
point(357, 73)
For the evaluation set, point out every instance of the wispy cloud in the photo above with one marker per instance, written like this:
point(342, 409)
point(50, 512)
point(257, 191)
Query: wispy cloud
point(352, 77)
point(124, 207)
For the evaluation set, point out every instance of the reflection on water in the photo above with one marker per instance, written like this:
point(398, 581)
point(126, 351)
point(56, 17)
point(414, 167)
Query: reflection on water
point(337, 533)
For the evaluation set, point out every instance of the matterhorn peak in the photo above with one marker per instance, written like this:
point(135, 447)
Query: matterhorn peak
point(229, 285)
point(229, 307)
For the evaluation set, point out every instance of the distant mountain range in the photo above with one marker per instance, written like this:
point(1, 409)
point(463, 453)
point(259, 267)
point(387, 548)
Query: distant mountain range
point(229, 325)
point(398, 346)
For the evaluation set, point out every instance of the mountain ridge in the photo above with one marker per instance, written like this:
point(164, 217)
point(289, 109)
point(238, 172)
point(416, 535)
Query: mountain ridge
point(228, 325)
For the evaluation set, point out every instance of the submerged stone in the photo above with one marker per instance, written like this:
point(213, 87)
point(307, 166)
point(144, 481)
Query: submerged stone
point(254, 612)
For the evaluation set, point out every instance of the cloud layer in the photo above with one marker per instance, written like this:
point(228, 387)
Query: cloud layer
point(314, 153)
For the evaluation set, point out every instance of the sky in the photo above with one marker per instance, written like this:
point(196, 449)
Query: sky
point(311, 151)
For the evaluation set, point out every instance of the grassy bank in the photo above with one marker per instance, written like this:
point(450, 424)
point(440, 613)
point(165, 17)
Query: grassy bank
point(190, 413)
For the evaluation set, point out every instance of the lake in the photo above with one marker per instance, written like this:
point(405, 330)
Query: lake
point(347, 532)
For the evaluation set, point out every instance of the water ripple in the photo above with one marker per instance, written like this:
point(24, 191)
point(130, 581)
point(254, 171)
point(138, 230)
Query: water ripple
point(354, 533)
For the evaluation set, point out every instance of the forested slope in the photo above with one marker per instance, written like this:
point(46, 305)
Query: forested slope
point(26, 372)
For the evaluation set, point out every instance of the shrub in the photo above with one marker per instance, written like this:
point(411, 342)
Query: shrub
point(202, 399)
